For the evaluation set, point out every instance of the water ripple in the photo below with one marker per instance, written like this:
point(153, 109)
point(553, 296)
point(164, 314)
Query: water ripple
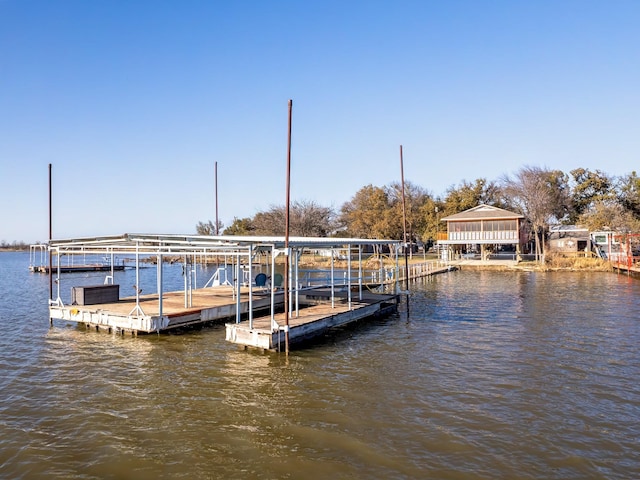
point(482, 375)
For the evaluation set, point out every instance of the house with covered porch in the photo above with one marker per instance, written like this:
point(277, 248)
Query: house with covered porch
point(480, 233)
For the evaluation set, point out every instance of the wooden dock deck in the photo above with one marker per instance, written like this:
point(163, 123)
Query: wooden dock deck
point(632, 271)
point(204, 305)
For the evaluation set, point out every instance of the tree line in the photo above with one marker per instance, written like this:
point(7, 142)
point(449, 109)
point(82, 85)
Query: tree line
point(15, 245)
point(593, 199)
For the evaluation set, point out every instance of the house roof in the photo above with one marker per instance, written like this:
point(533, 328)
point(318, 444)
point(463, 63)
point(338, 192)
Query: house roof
point(483, 212)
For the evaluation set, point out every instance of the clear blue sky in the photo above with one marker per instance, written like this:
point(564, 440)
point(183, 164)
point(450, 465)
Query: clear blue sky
point(133, 102)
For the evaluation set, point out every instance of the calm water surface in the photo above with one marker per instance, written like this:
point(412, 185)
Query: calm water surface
point(487, 375)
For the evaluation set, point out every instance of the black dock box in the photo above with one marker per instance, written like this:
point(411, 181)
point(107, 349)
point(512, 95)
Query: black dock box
point(94, 294)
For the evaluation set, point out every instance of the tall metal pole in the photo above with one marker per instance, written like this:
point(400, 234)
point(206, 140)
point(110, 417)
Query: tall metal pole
point(216, 187)
point(50, 238)
point(286, 237)
point(404, 223)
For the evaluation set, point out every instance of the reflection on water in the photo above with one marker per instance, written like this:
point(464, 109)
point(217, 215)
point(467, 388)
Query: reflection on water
point(486, 375)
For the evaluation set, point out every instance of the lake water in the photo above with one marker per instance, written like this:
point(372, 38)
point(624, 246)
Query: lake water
point(485, 375)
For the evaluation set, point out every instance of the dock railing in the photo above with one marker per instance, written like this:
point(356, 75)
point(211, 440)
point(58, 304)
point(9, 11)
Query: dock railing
point(419, 270)
point(384, 276)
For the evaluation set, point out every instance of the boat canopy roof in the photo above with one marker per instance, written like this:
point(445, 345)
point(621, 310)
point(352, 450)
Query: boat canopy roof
point(180, 244)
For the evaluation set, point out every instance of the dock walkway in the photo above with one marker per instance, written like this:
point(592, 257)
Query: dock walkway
point(632, 271)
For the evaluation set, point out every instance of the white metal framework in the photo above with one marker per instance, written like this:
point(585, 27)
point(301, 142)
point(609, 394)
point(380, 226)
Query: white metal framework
point(240, 249)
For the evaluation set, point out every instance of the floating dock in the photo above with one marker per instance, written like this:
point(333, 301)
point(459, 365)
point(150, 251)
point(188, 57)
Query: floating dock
point(39, 262)
point(91, 267)
point(237, 291)
point(246, 292)
point(143, 314)
point(320, 313)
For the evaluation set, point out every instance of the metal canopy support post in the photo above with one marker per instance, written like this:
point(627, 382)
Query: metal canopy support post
point(235, 272)
point(160, 289)
point(194, 272)
point(397, 271)
point(274, 325)
point(349, 275)
point(297, 282)
point(251, 286)
point(236, 288)
point(188, 274)
point(360, 272)
point(58, 273)
point(112, 267)
point(137, 275)
point(333, 282)
point(137, 308)
point(58, 300)
point(185, 274)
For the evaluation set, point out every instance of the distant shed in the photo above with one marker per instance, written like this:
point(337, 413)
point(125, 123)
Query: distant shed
point(569, 239)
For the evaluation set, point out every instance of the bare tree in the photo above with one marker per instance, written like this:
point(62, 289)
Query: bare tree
point(205, 228)
point(542, 196)
point(307, 219)
point(310, 219)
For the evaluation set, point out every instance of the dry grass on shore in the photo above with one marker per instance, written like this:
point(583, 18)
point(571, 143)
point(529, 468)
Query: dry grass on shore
point(561, 262)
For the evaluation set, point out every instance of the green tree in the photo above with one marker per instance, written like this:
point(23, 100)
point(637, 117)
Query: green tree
point(588, 188)
point(629, 193)
point(368, 214)
point(468, 195)
point(431, 212)
point(415, 198)
point(608, 215)
point(240, 227)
